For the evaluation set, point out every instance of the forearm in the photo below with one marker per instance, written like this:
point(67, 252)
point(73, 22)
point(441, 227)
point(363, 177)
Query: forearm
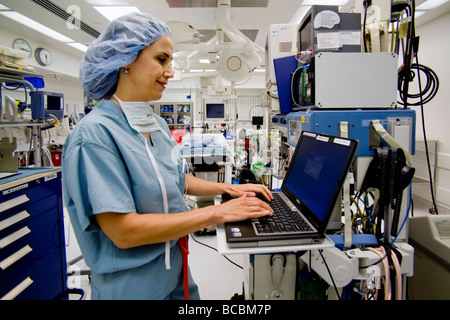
point(199, 187)
point(129, 230)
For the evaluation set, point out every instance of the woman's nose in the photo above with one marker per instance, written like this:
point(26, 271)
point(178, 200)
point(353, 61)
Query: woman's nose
point(169, 73)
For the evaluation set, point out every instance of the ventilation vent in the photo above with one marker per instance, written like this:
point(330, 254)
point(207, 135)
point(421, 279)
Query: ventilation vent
point(50, 6)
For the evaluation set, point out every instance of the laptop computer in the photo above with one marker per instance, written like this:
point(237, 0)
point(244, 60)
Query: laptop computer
point(308, 194)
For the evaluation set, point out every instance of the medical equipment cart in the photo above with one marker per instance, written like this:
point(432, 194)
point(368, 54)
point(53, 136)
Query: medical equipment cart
point(32, 246)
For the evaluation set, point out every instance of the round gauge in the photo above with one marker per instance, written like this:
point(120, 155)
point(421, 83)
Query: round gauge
point(21, 44)
point(43, 56)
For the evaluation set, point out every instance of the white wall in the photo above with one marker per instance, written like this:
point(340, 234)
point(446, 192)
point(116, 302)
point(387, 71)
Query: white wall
point(64, 64)
point(434, 53)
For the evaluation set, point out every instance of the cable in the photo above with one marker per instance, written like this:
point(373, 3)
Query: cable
point(367, 4)
point(406, 216)
point(329, 272)
point(426, 144)
point(381, 252)
point(407, 74)
point(430, 90)
point(398, 274)
point(204, 244)
point(275, 293)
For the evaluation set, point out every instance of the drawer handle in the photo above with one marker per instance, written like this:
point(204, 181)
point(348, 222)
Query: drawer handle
point(14, 237)
point(13, 219)
point(15, 257)
point(13, 202)
point(18, 289)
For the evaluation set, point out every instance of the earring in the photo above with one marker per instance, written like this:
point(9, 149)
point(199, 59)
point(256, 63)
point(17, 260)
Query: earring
point(125, 71)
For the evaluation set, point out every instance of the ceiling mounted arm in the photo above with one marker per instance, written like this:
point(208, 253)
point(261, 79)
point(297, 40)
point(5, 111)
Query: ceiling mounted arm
point(235, 35)
point(235, 63)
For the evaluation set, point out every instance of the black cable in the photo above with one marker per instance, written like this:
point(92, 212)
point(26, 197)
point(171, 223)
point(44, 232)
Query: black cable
point(272, 96)
point(375, 263)
point(424, 95)
point(329, 272)
point(434, 209)
point(367, 4)
point(204, 244)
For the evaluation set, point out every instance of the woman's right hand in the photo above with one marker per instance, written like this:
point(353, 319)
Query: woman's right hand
point(242, 208)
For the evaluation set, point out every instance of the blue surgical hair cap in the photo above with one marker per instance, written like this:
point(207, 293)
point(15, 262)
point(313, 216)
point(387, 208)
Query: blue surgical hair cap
point(117, 46)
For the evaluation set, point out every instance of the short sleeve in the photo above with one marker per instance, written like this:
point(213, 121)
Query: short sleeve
point(96, 181)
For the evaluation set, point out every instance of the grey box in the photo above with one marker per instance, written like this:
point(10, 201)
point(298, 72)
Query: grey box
point(355, 80)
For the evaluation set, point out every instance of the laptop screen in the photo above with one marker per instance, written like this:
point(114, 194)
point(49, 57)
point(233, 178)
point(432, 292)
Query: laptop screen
point(317, 169)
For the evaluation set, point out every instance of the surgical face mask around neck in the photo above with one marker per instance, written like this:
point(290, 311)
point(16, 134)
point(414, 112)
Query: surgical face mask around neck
point(139, 115)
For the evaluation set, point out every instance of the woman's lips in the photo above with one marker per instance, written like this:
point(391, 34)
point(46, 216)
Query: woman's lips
point(163, 84)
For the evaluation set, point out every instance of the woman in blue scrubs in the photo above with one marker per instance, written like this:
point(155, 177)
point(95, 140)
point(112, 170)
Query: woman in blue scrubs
point(123, 176)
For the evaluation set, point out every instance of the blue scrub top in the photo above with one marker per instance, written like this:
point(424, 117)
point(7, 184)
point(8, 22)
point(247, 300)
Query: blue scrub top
point(106, 168)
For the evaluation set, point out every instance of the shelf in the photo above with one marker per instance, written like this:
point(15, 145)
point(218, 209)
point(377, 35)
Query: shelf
point(172, 111)
point(224, 249)
point(17, 74)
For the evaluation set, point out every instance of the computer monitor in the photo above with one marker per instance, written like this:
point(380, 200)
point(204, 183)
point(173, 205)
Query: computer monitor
point(215, 111)
point(326, 22)
point(305, 35)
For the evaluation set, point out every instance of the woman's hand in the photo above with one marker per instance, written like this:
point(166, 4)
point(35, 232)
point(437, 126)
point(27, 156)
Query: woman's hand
point(242, 208)
point(251, 190)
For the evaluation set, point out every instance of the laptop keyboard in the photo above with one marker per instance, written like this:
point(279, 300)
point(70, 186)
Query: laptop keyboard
point(283, 219)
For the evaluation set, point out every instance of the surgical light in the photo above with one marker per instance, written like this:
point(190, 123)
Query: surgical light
point(113, 12)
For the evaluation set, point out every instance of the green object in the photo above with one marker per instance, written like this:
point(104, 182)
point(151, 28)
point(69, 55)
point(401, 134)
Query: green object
point(258, 168)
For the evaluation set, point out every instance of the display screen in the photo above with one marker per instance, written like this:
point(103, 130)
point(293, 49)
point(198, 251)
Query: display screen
point(315, 172)
point(215, 110)
point(305, 34)
point(53, 102)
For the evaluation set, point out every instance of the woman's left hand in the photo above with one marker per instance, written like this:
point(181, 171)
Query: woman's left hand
point(249, 189)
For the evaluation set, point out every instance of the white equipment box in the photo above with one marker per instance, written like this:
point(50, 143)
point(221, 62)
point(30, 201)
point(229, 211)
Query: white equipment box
point(355, 80)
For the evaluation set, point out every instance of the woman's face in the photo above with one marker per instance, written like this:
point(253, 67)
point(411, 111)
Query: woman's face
point(149, 73)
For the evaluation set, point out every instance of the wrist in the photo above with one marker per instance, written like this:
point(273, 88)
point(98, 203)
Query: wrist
point(230, 189)
point(213, 215)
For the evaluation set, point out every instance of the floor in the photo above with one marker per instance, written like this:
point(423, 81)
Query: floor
point(216, 277)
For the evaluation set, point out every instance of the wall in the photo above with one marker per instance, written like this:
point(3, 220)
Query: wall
point(65, 66)
point(433, 53)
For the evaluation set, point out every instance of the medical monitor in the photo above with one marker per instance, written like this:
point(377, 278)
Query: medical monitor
point(46, 104)
point(215, 111)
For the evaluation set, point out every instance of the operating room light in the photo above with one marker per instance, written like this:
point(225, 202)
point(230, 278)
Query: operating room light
point(113, 12)
point(430, 4)
point(78, 46)
point(36, 26)
point(324, 2)
point(41, 28)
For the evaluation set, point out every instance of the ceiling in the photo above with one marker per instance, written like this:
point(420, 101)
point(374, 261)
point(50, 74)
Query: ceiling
point(252, 17)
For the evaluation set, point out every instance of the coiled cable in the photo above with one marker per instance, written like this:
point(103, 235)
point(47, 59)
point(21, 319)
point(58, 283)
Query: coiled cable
point(424, 95)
